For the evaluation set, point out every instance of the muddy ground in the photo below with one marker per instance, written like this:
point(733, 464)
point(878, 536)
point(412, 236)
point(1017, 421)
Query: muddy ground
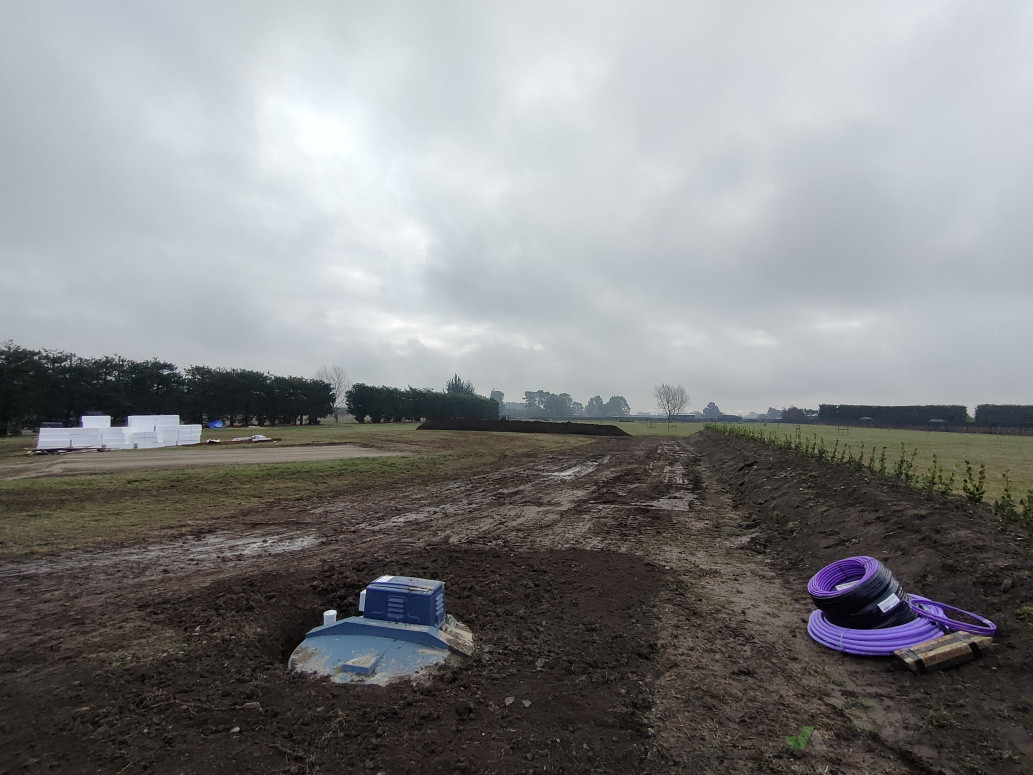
point(640, 602)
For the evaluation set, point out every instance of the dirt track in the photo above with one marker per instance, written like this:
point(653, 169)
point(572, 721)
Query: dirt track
point(646, 598)
point(112, 461)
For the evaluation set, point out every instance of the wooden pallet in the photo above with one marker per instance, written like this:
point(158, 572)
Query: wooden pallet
point(946, 651)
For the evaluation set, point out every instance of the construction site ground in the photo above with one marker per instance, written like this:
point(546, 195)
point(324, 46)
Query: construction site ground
point(639, 605)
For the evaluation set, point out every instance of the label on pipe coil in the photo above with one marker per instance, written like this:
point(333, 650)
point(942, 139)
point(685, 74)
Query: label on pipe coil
point(889, 602)
point(845, 585)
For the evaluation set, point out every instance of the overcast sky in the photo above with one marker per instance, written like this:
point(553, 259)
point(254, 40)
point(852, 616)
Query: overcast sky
point(771, 204)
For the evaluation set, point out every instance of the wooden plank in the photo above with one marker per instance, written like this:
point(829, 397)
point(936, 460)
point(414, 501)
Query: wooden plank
point(946, 651)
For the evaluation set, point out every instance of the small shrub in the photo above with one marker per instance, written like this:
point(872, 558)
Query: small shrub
point(1027, 509)
point(1005, 505)
point(974, 487)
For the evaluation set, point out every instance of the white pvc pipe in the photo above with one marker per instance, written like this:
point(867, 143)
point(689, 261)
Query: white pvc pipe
point(329, 617)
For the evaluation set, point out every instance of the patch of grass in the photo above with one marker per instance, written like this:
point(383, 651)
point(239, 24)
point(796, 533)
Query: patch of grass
point(657, 427)
point(51, 514)
point(16, 446)
point(938, 717)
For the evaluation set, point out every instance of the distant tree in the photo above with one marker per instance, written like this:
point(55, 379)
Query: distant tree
point(559, 406)
point(617, 406)
point(595, 407)
point(337, 378)
point(670, 399)
point(534, 402)
point(23, 388)
point(499, 398)
point(359, 401)
point(457, 386)
point(148, 387)
point(795, 414)
point(711, 412)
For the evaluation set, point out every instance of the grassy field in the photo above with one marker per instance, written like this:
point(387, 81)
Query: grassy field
point(659, 428)
point(50, 514)
point(1011, 455)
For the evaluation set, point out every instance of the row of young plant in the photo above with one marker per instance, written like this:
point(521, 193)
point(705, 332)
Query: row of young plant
point(937, 480)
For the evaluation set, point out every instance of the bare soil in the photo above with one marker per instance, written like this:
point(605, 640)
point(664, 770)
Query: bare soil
point(228, 454)
point(639, 606)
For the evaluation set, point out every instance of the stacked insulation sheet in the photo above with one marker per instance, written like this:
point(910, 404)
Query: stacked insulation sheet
point(142, 431)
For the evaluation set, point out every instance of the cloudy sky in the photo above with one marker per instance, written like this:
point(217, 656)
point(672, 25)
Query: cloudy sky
point(768, 203)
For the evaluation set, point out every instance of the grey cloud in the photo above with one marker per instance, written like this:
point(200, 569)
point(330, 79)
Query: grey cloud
point(770, 205)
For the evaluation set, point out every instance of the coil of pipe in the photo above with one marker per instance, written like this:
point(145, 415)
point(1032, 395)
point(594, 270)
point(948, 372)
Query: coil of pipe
point(862, 609)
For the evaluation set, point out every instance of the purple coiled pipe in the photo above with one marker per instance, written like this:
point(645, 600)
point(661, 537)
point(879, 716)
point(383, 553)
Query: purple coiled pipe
point(875, 643)
point(852, 569)
point(932, 620)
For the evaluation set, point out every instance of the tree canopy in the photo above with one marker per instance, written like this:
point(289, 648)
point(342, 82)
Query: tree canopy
point(457, 386)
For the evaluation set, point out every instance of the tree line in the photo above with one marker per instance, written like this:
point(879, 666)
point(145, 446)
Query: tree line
point(541, 404)
point(390, 404)
point(893, 415)
point(1009, 415)
point(39, 386)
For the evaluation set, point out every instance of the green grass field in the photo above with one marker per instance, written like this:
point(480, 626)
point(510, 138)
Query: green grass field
point(1012, 455)
point(659, 428)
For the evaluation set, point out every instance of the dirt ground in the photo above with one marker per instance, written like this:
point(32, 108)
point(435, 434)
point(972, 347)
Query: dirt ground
point(641, 600)
point(112, 461)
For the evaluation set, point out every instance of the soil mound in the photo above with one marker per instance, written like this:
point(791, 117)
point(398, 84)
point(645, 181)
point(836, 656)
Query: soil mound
point(807, 514)
point(557, 680)
point(524, 426)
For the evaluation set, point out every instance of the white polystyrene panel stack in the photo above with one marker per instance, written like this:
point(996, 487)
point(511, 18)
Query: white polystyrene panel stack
point(84, 438)
point(143, 431)
point(116, 438)
point(189, 434)
point(146, 440)
point(168, 435)
point(54, 438)
point(141, 422)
